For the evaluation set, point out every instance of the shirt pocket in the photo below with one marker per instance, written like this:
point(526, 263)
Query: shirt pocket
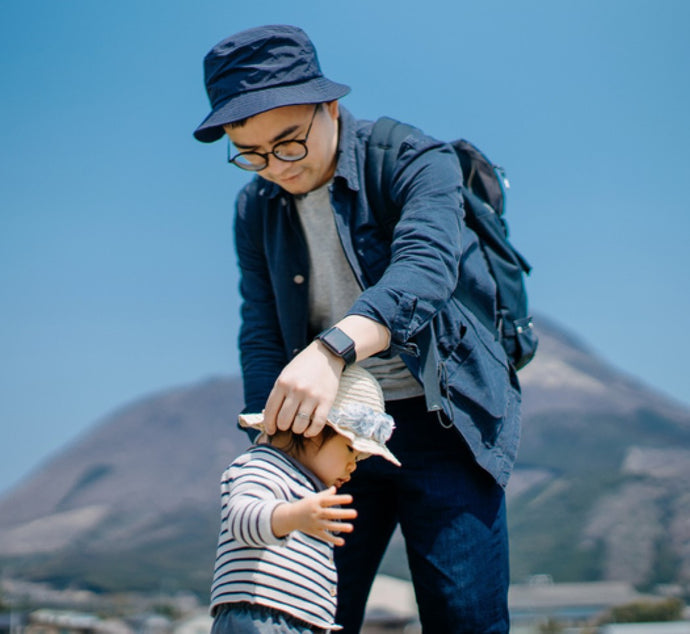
point(474, 366)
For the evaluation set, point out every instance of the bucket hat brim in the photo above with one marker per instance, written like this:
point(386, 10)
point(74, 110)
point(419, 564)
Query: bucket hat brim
point(367, 446)
point(248, 104)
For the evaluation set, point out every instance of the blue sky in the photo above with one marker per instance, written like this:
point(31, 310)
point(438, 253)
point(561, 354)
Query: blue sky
point(117, 270)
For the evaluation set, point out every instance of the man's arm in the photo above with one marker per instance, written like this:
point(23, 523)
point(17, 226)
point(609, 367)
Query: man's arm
point(421, 276)
point(427, 247)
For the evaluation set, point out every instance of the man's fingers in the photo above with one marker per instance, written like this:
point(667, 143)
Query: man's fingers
point(273, 405)
point(303, 417)
point(318, 419)
point(286, 415)
point(314, 429)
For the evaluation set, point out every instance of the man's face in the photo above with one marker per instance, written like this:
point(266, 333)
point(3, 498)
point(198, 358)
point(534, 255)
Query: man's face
point(261, 132)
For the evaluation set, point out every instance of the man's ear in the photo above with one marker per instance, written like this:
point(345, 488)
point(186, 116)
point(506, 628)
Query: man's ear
point(333, 110)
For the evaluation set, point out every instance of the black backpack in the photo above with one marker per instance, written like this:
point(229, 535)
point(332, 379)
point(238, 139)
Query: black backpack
point(484, 200)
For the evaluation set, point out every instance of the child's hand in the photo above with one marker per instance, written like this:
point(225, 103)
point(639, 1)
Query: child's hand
point(315, 516)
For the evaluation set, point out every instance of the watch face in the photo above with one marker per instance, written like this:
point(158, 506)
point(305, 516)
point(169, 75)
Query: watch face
point(338, 340)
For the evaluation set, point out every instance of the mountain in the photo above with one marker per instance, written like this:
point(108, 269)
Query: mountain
point(599, 492)
point(133, 503)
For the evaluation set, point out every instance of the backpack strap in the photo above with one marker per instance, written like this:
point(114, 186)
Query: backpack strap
point(387, 135)
point(383, 147)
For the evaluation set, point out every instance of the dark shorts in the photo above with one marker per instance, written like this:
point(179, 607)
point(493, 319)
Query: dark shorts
point(251, 618)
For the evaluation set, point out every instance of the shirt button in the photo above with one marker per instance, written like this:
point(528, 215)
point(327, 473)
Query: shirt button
point(294, 354)
point(298, 279)
point(333, 591)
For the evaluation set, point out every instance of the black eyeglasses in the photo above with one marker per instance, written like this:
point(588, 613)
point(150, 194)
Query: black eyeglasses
point(290, 151)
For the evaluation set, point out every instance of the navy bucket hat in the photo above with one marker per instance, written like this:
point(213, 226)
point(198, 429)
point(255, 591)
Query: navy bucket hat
point(260, 69)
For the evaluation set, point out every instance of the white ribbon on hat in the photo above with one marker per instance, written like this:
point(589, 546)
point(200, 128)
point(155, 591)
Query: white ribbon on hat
point(363, 421)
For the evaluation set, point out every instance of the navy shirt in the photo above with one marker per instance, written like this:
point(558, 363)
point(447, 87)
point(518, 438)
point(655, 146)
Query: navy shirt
point(419, 277)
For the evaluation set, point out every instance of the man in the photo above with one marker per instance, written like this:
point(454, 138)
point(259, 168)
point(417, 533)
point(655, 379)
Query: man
point(322, 287)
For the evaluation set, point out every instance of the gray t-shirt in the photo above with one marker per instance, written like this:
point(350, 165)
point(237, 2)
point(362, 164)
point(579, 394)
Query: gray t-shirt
point(333, 289)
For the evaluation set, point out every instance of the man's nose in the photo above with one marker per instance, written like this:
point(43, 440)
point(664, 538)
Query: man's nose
point(276, 167)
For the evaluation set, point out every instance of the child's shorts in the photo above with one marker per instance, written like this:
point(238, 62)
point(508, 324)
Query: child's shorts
point(249, 618)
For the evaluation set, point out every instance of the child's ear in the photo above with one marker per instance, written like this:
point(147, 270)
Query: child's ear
point(317, 440)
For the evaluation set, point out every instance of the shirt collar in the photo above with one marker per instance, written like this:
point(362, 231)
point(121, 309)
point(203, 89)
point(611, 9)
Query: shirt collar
point(346, 166)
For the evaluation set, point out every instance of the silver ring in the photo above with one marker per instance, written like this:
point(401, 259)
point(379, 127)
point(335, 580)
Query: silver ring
point(303, 415)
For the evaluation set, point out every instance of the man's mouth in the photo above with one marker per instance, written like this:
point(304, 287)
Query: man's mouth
point(288, 179)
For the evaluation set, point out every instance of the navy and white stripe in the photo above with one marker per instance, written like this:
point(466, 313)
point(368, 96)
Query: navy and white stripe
point(293, 574)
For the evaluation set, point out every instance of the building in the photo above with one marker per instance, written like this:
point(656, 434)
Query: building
point(66, 622)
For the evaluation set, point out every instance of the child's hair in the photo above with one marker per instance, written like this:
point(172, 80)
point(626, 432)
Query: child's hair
point(293, 444)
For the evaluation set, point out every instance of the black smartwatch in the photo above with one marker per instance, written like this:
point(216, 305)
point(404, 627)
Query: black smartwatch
point(339, 344)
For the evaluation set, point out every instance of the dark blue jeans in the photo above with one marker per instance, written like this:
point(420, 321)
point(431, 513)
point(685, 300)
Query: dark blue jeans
point(452, 516)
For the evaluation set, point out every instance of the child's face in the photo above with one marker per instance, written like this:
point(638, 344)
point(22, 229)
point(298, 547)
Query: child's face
point(334, 461)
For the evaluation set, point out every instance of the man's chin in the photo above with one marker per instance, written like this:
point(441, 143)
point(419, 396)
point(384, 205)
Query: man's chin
point(297, 187)
point(300, 185)
point(296, 191)
point(294, 185)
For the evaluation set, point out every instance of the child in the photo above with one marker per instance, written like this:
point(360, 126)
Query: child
point(280, 516)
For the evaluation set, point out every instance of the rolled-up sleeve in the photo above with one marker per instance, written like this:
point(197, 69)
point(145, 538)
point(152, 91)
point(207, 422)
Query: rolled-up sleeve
point(426, 246)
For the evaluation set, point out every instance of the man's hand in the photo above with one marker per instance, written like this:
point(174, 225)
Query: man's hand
point(304, 392)
point(315, 516)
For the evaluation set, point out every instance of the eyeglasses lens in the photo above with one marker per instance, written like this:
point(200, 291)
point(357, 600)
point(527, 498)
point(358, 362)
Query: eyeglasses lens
point(290, 151)
point(250, 161)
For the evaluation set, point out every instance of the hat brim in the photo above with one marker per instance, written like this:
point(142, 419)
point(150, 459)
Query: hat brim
point(365, 445)
point(248, 104)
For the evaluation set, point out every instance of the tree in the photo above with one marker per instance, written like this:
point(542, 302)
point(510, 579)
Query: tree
point(646, 612)
point(551, 626)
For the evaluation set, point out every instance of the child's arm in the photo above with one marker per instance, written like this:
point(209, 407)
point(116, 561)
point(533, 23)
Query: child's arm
point(315, 516)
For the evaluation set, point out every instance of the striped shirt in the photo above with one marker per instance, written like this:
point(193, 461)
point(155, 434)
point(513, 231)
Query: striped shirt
point(294, 574)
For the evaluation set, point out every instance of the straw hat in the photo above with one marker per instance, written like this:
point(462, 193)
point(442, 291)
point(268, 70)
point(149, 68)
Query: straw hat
point(358, 413)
